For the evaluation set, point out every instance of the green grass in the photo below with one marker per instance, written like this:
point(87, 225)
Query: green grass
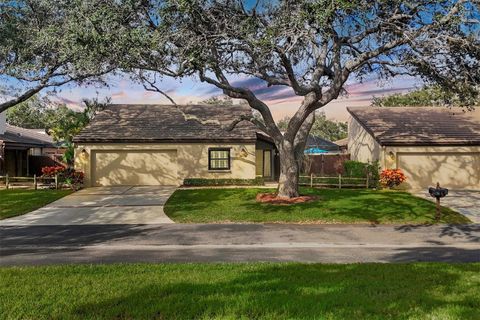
point(242, 291)
point(14, 202)
point(332, 206)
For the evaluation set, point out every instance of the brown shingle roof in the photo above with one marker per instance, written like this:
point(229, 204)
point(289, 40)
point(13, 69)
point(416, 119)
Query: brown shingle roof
point(26, 137)
point(412, 126)
point(168, 123)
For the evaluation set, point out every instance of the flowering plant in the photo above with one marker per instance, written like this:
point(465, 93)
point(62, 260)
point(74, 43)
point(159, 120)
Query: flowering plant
point(392, 177)
point(73, 178)
point(52, 171)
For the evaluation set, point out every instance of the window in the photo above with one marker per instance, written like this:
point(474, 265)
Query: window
point(218, 159)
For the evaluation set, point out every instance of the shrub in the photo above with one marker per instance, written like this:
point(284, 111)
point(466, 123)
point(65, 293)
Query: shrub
point(223, 182)
point(70, 177)
point(392, 177)
point(357, 169)
point(74, 179)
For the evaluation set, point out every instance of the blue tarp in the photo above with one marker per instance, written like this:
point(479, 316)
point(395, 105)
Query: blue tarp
point(315, 151)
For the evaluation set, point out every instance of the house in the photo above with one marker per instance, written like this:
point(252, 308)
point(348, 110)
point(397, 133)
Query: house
point(342, 144)
point(318, 145)
point(165, 144)
point(24, 151)
point(430, 144)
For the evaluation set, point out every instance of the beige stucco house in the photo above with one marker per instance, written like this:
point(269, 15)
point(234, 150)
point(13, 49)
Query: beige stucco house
point(165, 144)
point(429, 144)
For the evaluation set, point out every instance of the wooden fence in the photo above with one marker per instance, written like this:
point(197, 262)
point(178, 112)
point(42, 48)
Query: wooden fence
point(34, 181)
point(336, 181)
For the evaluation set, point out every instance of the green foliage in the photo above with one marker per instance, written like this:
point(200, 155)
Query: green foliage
point(223, 182)
point(48, 43)
point(359, 169)
point(31, 114)
point(425, 97)
point(216, 100)
point(323, 127)
point(69, 123)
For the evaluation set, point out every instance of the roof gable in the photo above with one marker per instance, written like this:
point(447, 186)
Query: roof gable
point(168, 123)
point(420, 125)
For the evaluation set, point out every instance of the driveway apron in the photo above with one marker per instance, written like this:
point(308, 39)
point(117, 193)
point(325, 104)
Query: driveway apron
point(102, 205)
point(467, 202)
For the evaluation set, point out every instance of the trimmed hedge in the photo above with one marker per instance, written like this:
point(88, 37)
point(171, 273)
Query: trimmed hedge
point(223, 182)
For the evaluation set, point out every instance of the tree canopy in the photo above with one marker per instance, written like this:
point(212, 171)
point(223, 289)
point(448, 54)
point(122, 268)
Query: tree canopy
point(50, 43)
point(322, 127)
point(431, 96)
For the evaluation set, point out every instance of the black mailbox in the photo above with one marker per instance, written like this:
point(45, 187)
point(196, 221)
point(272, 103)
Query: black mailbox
point(438, 193)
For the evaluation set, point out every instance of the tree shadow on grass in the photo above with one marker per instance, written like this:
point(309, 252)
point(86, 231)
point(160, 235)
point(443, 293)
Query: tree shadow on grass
point(357, 206)
point(298, 291)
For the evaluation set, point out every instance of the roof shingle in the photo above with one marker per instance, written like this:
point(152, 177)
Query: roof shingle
point(27, 137)
point(420, 126)
point(168, 123)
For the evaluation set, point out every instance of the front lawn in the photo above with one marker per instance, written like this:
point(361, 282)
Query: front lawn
point(242, 291)
point(332, 206)
point(14, 202)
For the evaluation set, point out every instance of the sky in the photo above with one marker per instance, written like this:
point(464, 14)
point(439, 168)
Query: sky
point(281, 100)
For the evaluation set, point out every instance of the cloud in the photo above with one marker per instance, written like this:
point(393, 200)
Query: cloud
point(118, 95)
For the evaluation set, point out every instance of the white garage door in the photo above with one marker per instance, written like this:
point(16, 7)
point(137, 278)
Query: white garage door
point(133, 167)
point(452, 170)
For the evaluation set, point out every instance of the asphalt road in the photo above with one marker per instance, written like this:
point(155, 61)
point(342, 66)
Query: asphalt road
point(32, 245)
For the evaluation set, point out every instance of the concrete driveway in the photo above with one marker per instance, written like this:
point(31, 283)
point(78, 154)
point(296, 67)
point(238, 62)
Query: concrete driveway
point(467, 202)
point(102, 205)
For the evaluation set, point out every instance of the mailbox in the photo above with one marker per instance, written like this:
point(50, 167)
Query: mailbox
point(438, 193)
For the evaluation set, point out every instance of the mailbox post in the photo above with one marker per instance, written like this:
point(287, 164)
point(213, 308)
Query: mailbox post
point(438, 193)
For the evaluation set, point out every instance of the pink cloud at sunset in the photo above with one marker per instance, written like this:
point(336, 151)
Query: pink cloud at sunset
point(281, 100)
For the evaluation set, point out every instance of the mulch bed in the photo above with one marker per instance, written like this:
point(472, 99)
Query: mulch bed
point(272, 198)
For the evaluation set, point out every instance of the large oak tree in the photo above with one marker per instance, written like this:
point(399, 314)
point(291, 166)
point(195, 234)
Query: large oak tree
point(312, 47)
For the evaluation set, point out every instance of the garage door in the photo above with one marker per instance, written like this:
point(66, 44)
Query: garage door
point(135, 168)
point(452, 170)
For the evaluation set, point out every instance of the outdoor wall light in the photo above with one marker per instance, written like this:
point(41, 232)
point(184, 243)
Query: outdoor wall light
point(84, 153)
point(391, 156)
point(243, 153)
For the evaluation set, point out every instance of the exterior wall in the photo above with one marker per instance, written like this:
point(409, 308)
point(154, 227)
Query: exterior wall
point(361, 145)
point(191, 159)
point(453, 167)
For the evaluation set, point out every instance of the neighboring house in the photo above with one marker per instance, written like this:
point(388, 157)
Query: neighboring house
point(165, 144)
point(342, 144)
point(429, 144)
point(317, 145)
point(24, 151)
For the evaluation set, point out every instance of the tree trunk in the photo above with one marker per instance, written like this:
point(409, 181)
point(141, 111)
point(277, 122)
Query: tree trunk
point(289, 171)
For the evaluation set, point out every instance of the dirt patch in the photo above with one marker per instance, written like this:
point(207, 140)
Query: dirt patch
point(272, 198)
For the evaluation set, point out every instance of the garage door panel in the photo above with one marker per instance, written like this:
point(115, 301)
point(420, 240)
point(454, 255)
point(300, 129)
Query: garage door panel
point(135, 168)
point(452, 170)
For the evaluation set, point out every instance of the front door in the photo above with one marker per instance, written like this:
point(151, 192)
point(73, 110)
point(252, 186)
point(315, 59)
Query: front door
point(264, 163)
